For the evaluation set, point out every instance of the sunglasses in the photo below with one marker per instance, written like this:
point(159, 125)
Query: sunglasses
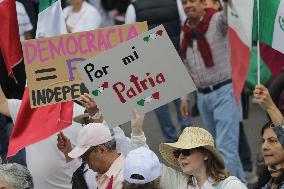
point(185, 152)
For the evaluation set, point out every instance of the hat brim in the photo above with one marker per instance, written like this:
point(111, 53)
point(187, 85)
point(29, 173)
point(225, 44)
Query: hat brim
point(77, 152)
point(166, 150)
point(81, 118)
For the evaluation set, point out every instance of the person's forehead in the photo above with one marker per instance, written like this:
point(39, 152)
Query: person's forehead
point(5, 184)
point(193, 0)
point(269, 133)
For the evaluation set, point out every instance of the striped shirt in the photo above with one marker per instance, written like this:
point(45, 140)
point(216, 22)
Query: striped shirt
point(217, 38)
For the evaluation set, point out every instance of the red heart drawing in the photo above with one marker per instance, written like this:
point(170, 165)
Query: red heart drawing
point(160, 32)
point(105, 85)
point(156, 95)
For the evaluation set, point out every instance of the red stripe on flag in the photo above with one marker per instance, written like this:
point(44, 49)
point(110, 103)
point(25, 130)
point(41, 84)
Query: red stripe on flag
point(33, 125)
point(240, 59)
point(273, 59)
point(9, 35)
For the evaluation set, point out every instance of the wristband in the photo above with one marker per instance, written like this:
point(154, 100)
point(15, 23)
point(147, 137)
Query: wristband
point(96, 116)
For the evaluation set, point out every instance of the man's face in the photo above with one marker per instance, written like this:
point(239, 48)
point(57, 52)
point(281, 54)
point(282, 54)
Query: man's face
point(194, 9)
point(94, 157)
point(75, 2)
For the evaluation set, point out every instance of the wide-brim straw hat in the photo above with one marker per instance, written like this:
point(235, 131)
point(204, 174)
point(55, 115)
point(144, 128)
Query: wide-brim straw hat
point(191, 137)
point(82, 117)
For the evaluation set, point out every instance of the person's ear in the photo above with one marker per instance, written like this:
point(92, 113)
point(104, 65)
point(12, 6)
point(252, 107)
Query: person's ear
point(103, 149)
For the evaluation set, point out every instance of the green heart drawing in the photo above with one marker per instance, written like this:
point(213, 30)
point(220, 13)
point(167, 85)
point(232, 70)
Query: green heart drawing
point(141, 102)
point(146, 39)
point(96, 92)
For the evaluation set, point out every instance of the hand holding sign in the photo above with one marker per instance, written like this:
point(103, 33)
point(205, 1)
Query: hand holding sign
point(89, 103)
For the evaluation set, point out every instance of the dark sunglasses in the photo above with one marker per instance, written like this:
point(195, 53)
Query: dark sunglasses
point(185, 152)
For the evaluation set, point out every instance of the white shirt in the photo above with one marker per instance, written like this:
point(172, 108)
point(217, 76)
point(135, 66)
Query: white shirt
point(45, 162)
point(229, 183)
point(130, 15)
point(23, 20)
point(107, 16)
point(88, 18)
point(171, 178)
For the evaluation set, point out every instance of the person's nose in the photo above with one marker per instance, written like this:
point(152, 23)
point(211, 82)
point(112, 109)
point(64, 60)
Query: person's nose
point(265, 146)
point(181, 157)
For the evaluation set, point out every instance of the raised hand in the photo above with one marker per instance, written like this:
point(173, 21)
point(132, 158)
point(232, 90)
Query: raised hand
point(137, 123)
point(89, 103)
point(64, 145)
point(263, 97)
point(184, 108)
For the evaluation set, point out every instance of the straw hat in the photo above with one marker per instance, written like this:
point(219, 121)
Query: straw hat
point(85, 119)
point(191, 137)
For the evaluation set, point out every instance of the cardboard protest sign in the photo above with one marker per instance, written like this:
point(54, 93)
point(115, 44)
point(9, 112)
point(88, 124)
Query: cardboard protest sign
point(50, 62)
point(143, 73)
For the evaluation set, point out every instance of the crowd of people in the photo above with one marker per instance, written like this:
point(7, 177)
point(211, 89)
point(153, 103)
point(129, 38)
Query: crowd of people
point(90, 155)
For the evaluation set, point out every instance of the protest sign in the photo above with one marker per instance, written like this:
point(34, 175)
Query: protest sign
point(50, 62)
point(143, 73)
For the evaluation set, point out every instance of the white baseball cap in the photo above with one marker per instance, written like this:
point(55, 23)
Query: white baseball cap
point(90, 135)
point(144, 162)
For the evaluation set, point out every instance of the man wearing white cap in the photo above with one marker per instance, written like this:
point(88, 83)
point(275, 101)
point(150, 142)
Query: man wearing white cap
point(97, 147)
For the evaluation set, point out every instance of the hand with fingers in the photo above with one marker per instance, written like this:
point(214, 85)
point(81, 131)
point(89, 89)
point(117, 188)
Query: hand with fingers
point(137, 123)
point(64, 145)
point(184, 108)
point(263, 97)
point(89, 103)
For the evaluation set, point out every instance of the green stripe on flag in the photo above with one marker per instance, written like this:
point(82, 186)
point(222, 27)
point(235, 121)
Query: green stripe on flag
point(43, 4)
point(268, 10)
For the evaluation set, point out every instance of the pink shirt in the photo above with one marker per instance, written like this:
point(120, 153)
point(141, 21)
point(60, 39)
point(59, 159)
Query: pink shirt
point(116, 170)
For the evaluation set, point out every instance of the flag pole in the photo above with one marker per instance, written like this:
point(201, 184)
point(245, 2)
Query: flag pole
point(258, 46)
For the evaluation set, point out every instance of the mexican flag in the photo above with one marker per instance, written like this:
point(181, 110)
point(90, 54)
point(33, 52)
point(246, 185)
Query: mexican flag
point(271, 23)
point(271, 33)
point(240, 19)
point(50, 19)
point(34, 125)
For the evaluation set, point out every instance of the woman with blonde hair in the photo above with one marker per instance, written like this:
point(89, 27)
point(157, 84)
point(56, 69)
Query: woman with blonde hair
point(201, 164)
point(194, 153)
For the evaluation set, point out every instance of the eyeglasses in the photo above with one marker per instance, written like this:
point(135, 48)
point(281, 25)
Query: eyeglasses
point(185, 152)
